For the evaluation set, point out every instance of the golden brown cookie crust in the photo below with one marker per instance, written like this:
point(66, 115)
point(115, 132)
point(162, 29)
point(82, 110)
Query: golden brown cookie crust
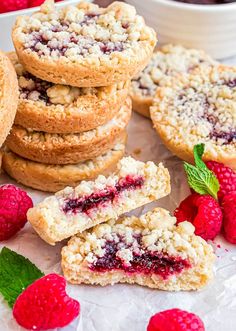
point(141, 105)
point(52, 178)
point(116, 26)
point(69, 148)
point(64, 109)
point(199, 108)
point(8, 96)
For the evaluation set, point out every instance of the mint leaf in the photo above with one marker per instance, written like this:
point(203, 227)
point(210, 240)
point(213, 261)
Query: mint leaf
point(16, 273)
point(200, 178)
point(198, 152)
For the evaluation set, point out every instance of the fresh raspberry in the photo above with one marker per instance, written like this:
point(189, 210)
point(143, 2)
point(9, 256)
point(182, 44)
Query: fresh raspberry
point(11, 5)
point(175, 320)
point(204, 212)
point(45, 305)
point(14, 204)
point(225, 175)
point(229, 217)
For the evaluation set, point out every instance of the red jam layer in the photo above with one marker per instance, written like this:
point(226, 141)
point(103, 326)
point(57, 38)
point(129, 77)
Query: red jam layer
point(94, 200)
point(147, 263)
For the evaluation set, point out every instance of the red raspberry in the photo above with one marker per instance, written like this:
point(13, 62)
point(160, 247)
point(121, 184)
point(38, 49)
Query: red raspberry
point(226, 177)
point(204, 212)
point(175, 320)
point(14, 204)
point(11, 5)
point(45, 305)
point(36, 3)
point(229, 214)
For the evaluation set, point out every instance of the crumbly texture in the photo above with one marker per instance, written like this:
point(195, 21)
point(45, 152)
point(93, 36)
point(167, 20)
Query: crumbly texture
point(71, 148)
point(167, 62)
point(53, 224)
point(52, 178)
point(56, 108)
point(84, 45)
point(158, 234)
point(199, 108)
point(8, 96)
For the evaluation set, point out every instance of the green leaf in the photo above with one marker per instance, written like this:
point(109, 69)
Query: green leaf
point(16, 273)
point(198, 152)
point(200, 178)
point(202, 181)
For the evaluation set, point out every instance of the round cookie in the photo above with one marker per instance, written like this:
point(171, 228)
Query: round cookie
point(53, 108)
point(54, 148)
point(52, 178)
point(167, 62)
point(84, 45)
point(199, 108)
point(8, 96)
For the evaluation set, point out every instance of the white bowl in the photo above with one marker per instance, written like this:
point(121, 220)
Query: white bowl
point(208, 27)
point(7, 21)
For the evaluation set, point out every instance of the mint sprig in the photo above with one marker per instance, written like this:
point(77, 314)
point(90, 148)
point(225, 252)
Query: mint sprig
point(16, 273)
point(200, 178)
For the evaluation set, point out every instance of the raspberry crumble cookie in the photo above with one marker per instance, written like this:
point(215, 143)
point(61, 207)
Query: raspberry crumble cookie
point(8, 96)
point(84, 45)
point(199, 108)
point(71, 211)
point(167, 62)
point(52, 178)
point(71, 148)
point(150, 251)
point(54, 108)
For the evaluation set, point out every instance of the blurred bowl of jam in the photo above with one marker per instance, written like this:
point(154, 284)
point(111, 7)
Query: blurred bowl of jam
point(205, 24)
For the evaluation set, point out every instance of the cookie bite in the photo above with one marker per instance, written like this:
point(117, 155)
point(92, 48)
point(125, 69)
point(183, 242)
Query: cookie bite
point(84, 45)
point(74, 210)
point(167, 62)
point(52, 148)
point(52, 178)
point(55, 108)
point(151, 251)
point(8, 96)
point(199, 108)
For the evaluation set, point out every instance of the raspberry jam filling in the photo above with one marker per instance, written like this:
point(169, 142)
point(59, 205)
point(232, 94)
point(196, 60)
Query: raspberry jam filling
point(37, 90)
point(109, 194)
point(146, 263)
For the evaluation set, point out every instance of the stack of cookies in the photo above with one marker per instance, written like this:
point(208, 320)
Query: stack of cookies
point(74, 67)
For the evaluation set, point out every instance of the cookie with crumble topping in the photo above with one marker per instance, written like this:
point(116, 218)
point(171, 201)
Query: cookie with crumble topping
point(199, 108)
point(52, 178)
point(53, 148)
point(8, 96)
point(151, 251)
point(74, 210)
point(167, 62)
point(84, 45)
point(56, 108)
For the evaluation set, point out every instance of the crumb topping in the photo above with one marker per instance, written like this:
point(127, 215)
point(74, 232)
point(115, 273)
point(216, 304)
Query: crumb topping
point(34, 89)
point(168, 61)
point(201, 104)
point(84, 31)
point(152, 243)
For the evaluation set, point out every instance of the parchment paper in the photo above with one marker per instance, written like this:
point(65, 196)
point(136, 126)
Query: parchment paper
point(126, 307)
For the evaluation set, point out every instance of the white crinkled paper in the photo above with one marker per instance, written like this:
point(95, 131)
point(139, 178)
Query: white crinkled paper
point(126, 307)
